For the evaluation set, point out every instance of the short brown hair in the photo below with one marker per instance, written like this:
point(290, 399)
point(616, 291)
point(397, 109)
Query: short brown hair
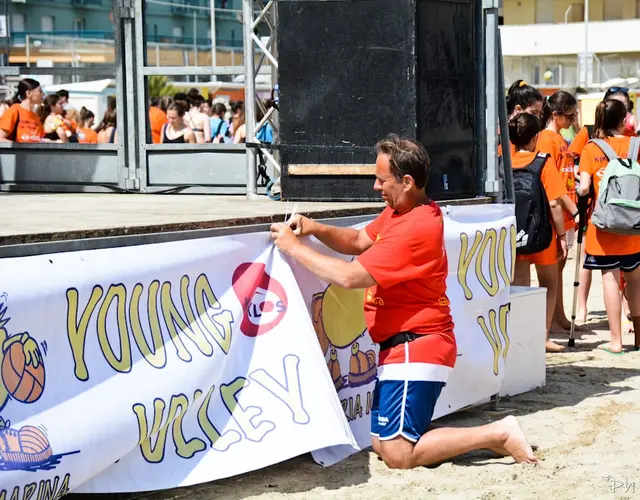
point(406, 157)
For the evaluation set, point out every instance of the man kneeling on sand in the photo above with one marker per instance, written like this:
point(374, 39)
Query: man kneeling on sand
point(402, 263)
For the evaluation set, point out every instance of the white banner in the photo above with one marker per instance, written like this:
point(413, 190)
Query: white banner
point(165, 365)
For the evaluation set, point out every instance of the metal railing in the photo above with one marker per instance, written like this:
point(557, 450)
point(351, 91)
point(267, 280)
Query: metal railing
point(19, 38)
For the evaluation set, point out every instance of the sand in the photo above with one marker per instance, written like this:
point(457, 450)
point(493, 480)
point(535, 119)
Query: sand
point(585, 422)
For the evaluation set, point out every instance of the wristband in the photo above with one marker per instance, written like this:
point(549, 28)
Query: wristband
point(562, 235)
point(575, 214)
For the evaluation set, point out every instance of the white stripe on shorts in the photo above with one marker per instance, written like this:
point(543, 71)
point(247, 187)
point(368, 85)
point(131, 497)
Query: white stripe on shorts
point(426, 372)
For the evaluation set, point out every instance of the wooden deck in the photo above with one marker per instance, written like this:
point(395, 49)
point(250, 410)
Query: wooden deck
point(34, 218)
point(30, 218)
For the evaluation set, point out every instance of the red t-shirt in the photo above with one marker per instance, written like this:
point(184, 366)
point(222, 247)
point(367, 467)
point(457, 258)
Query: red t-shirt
point(408, 260)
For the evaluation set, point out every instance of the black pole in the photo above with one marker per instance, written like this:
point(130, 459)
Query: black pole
point(8, 28)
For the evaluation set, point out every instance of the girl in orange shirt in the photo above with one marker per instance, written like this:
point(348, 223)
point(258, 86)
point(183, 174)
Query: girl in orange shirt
point(523, 131)
point(559, 112)
point(576, 148)
point(523, 98)
point(20, 123)
point(608, 252)
point(621, 94)
point(86, 135)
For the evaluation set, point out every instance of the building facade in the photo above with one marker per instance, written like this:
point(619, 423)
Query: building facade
point(548, 43)
point(81, 31)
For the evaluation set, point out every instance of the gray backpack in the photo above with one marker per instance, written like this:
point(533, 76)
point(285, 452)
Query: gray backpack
point(617, 208)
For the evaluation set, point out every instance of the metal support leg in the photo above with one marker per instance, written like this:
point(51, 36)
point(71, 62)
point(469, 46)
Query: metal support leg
point(493, 184)
point(507, 172)
point(250, 92)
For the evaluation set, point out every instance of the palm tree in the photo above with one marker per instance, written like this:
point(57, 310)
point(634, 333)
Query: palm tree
point(159, 86)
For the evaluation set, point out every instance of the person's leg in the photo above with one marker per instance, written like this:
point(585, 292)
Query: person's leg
point(404, 411)
point(633, 294)
point(626, 310)
point(504, 438)
point(560, 322)
point(522, 274)
point(375, 445)
point(613, 305)
point(548, 278)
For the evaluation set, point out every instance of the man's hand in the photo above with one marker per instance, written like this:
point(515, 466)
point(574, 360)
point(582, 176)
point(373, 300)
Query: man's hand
point(301, 226)
point(283, 237)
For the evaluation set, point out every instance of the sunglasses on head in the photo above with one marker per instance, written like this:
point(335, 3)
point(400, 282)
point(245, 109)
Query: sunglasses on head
point(616, 90)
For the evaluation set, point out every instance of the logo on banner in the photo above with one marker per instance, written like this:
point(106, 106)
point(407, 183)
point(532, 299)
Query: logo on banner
point(263, 298)
point(22, 376)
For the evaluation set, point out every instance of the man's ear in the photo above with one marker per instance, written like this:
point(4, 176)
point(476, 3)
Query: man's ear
point(408, 182)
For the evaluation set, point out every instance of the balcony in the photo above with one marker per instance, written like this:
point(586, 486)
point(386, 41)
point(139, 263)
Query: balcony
point(19, 37)
point(74, 3)
point(605, 37)
point(190, 41)
point(59, 38)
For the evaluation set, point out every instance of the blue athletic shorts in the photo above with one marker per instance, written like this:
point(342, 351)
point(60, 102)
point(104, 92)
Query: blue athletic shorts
point(626, 263)
point(403, 408)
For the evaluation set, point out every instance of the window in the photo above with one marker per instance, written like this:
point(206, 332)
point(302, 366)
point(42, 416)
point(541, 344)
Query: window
point(576, 14)
point(46, 23)
point(177, 31)
point(536, 75)
point(544, 11)
point(78, 25)
point(17, 22)
point(613, 10)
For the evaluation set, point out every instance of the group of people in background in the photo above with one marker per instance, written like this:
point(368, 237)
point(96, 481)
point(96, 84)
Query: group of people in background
point(571, 171)
point(189, 118)
point(32, 117)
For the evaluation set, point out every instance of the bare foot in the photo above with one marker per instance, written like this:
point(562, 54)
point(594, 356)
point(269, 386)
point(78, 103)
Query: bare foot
point(551, 346)
point(515, 443)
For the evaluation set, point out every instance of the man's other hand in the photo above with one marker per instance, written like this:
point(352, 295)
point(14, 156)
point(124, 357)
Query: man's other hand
point(283, 237)
point(301, 226)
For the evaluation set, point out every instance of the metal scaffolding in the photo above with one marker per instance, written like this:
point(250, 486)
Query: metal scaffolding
point(136, 165)
point(252, 18)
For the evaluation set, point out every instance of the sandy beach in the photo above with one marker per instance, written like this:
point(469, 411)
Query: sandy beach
point(584, 422)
